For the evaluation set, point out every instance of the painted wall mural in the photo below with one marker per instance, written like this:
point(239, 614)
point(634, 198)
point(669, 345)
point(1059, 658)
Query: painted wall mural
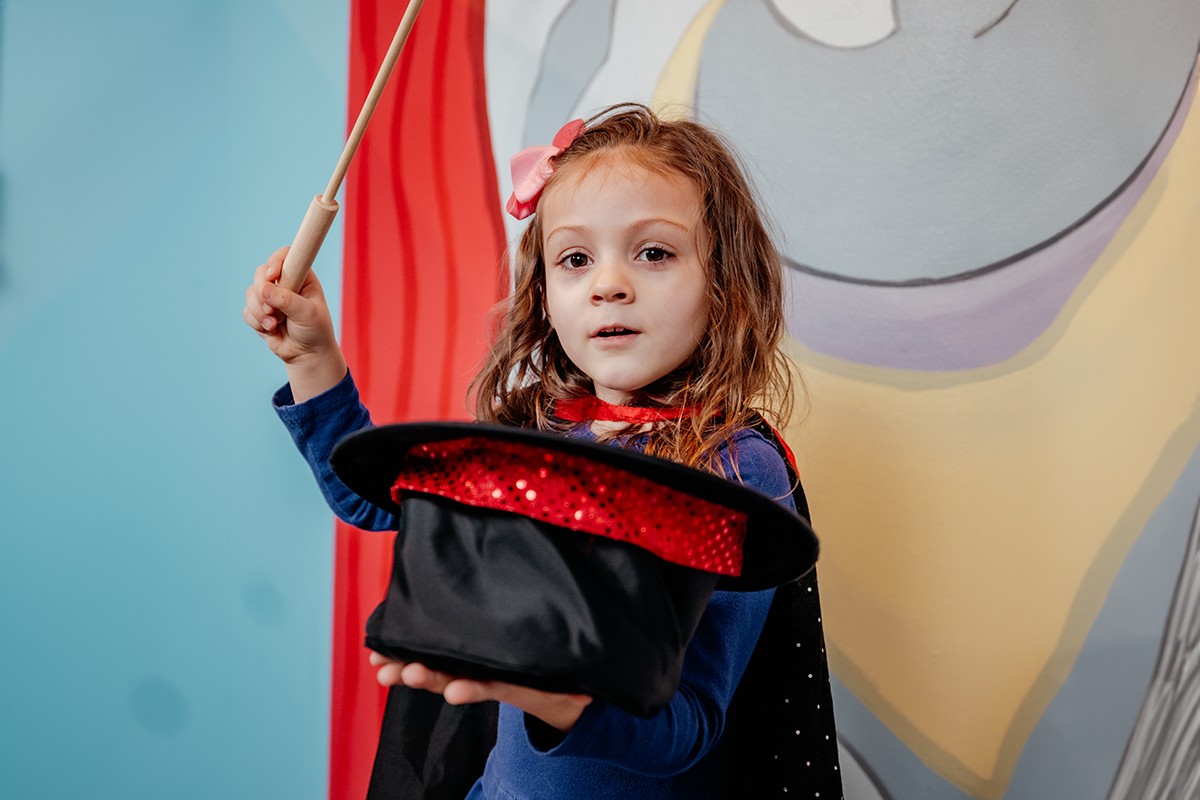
point(991, 215)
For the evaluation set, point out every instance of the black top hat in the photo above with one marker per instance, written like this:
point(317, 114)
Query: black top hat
point(556, 562)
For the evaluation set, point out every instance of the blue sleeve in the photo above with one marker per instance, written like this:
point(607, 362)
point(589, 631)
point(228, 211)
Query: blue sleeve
point(316, 425)
point(682, 733)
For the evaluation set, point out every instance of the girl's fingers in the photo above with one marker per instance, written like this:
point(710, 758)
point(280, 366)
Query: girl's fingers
point(277, 258)
point(254, 323)
point(390, 674)
point(561, 711)
point(463, 691)
point(558, 710)
point(273, 268)
point(379, 659)
point(457, 691)
point(254, 306)
point(261, 322)
point(419, 676)
point(288, 303)
point(258, 316)
point(270, 271)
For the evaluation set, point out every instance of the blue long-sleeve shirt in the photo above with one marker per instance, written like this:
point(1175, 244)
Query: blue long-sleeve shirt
point(609, 753)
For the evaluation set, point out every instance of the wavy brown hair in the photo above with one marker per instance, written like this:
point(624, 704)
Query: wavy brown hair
point(736, 370)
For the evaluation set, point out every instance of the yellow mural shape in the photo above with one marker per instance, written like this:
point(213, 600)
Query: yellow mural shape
point(676, 87)
point(972, 522)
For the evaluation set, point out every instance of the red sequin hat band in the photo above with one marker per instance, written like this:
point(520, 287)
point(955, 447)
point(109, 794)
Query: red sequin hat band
point(577, 493)
point(586, 409)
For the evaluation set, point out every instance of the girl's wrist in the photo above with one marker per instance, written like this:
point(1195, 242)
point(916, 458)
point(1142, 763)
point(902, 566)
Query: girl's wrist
point(315, 373)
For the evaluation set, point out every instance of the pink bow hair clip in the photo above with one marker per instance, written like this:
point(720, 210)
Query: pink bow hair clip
point(532, 166)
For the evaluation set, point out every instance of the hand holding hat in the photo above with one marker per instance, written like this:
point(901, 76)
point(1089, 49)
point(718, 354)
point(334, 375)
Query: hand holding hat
point(558, 710)
point(554, 563)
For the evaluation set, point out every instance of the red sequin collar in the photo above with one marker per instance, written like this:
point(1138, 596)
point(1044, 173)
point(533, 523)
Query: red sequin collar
point(586, 409)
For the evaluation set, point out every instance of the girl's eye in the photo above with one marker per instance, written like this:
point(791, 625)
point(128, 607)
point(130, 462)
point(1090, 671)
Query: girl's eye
point(576, 260)
point(655, 254)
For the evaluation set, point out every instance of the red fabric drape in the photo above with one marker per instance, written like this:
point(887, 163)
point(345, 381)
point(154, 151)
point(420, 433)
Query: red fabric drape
point(424, 244)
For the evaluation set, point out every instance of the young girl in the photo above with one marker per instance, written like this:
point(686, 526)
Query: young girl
point(647, 313)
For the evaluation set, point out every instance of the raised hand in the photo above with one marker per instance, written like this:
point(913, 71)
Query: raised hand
point(298, 328)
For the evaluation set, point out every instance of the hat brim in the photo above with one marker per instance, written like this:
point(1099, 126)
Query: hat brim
point(779, 545)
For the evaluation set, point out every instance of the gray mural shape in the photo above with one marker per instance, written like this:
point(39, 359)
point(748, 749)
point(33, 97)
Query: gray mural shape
point(936, 152)
point(576, 47)
point(980, 319)
point(972, 318)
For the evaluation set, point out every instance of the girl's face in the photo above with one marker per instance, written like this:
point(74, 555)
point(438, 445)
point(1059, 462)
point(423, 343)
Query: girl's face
point(626, 285)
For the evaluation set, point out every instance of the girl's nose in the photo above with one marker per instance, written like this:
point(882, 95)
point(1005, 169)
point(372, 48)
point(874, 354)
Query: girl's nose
point(610, 284)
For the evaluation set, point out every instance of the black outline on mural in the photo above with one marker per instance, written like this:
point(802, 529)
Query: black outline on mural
point(799, 32)
point(1004, 262)
point(996, 21)
point(862, 763)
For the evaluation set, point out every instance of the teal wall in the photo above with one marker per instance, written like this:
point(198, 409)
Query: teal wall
point(165, 558)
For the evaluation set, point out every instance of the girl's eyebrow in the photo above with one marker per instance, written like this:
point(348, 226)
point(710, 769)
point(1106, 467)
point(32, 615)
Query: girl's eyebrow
point(637, 226)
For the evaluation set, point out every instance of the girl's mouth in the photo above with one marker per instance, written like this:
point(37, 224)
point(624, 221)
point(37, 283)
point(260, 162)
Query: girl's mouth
point(614, 330)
